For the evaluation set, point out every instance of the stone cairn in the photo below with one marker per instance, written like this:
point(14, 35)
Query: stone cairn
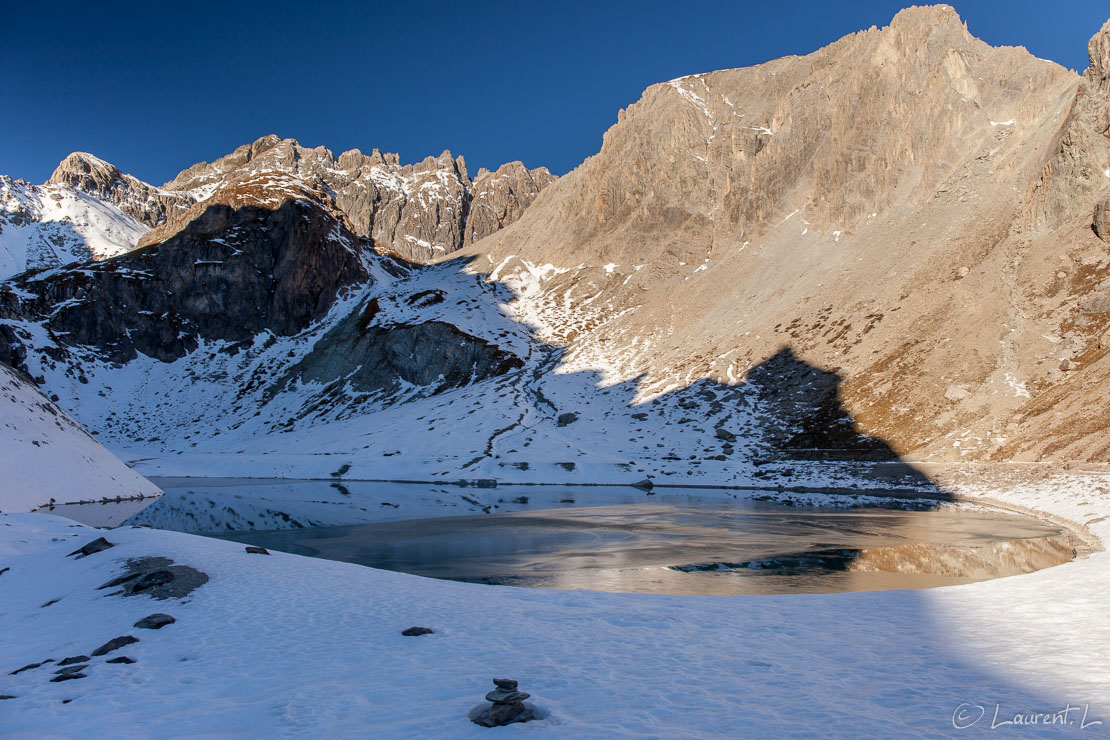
point(507, 707)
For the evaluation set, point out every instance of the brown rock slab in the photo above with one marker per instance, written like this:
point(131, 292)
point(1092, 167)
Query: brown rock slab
point(155, 621)
point(114, 644)
point(1102, 220)
point(67, 677)
point(73, 659)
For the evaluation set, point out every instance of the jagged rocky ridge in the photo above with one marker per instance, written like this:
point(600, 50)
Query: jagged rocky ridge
point(894, 239)
point(417, 211)
point(90, 210)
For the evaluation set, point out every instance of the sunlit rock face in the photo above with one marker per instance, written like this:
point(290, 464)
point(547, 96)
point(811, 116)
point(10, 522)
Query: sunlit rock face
point(908, 208)
point(417, 211)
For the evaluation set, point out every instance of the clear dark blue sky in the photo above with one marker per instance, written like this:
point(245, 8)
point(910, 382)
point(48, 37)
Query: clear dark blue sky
point(156, 86)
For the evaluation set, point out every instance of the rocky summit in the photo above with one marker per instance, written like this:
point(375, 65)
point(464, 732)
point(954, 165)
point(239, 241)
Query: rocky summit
point(90, 210)
point(893, 247)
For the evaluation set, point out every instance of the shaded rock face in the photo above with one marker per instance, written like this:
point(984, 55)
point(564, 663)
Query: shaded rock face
point(499, 198)
point(1077, 171)
point(371, 357)
point(238, 265)
point(1101, 223)
point(419, 211)
point(145, 203)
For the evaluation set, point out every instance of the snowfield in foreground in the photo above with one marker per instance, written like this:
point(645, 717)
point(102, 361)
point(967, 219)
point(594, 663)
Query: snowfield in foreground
point(288, 646)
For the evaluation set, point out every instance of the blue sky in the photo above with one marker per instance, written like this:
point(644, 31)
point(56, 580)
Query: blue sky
point(155, 87)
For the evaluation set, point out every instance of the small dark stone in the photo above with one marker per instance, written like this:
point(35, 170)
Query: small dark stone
point(114, 644)
point(74, 659)
point(417, 631)
point(152, 579)
point(506, 683)
point(6, 696)
point(71, 669)
point(257, 550)
point(644, 484)
point(4, 570)
point(67, 677)
point(725, 434)
point(52, 602)
point(121, 659)
point(155, 621)
point(97, 545)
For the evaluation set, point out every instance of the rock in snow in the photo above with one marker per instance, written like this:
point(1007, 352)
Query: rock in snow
point(155, 621)
point(507, 706)
point(98, 545)
point(114, 644)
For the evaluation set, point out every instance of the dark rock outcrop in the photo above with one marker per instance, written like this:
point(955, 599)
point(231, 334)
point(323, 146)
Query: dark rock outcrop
point(153, 579)
point(376, 357)
point(266, 255)
point(417, 631)
point(158, 577)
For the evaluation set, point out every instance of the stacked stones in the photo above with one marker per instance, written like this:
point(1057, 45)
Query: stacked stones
point(507, 708)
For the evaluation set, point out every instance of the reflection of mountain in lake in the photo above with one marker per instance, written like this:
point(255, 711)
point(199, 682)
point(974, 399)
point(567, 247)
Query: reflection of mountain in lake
point(637, 547)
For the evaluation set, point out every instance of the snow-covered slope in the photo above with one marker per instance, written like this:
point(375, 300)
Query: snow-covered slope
point(52, 225)
point(383, 387)
point(45, 456)
point(289, 646)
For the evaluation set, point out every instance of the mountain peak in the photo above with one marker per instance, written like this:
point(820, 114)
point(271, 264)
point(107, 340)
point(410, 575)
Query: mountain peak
point(1098, 54)
point(927, 15)
point(84, 171)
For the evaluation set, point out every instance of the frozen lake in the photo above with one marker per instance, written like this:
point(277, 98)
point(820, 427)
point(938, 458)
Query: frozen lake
point(606, 538)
